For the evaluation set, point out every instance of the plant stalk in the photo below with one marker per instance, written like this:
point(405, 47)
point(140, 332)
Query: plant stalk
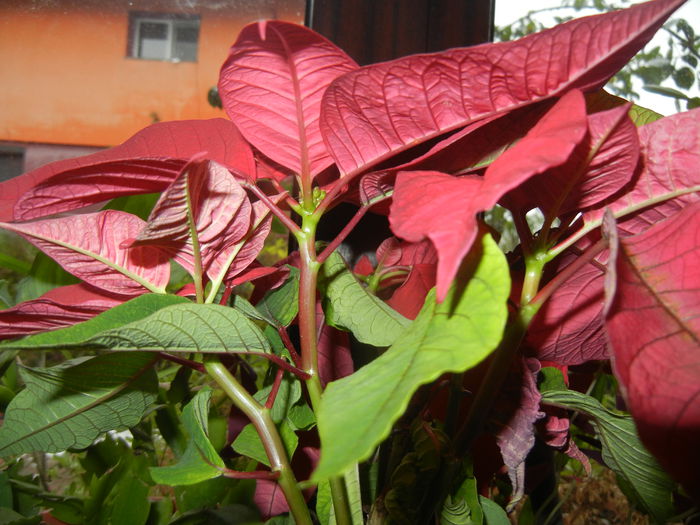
point(308, 280)
point(274, 447)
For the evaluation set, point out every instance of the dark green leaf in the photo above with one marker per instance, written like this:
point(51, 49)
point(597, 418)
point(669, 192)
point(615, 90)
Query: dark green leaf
point(70, 405)
point(200, 460)
point(684, 77)
point(623, 452)
point(349, 306)
point(358, 411)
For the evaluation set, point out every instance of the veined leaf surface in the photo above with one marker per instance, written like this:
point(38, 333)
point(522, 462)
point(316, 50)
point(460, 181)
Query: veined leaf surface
point(374, 112)
point(70, 405)
point(91, 247)
point(654, 332)
point(288, 67)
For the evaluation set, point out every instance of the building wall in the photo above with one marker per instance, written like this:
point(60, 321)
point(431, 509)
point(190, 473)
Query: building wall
point(66, 77)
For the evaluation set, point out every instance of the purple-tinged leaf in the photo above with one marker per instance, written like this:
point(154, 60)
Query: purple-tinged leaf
point(379, 110)
point(90, 246)
point(57, 308)
point(514, 418)
point(654, 331)
point(146, 163)
point(443, 208)
point(271, 86)
point(668, 179)
point(600, 166)
point(206, 194)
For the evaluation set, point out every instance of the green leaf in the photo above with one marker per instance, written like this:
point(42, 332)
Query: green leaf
point(647, 484)
point(665, 91)
point(455, 512)
point(288, 394)
point(185, 327)
point(200, 460)
point(133, 310)
point(493, 512)
point(684, 77)
point(349, 306)
point(282, 304)
point(357, 412)
point(130, 506)
point(324, 502)
point(72, 404)
point(248, 442)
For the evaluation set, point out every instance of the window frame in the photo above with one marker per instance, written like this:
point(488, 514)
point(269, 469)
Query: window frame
point(171, 21)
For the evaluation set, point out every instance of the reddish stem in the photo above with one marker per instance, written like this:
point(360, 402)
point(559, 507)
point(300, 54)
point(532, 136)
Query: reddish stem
point(199, 367)
point(275, 389)
point(282, 331)
point(343, 234)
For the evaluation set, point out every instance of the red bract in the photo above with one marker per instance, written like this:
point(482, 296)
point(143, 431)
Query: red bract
point(654, 330)
point(148, 162)
point(57, 308)
point(381, 109)
point(92, 247)
point(418, 194)
point(271, 87)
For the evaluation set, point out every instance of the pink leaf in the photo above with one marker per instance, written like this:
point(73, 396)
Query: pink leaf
point(385, 108)
point(443, 208)
point(654, 331)
point(670, 150)
point(271, 86)
point(90, 246)
point(57, 308)
point(236, 255)
point(146, 163)
point(218, 205)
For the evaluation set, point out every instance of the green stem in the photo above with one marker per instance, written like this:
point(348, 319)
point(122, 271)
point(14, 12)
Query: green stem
point(272, 442)
point(308, 279)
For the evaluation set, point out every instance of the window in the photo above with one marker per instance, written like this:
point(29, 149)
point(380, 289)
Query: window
point(156, 36)
point(11, 162)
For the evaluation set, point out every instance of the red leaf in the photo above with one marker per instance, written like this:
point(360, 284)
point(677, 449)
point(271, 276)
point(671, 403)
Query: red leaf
point(271, 86)
point(90, 246)
point(385, 108)
point(57, 308)
point(334, 357)
point(443, 208)
point(601, 165)
point(568, 329)
point(670, 149)
point(654, 331)
point(146, 163)
point(234, 256)
point(219, 207)
point(408, 298)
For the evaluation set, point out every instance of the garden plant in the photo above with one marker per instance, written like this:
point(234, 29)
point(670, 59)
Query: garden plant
point(414, 384)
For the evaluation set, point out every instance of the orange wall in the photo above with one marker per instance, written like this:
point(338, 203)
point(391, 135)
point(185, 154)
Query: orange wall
point(65, 77)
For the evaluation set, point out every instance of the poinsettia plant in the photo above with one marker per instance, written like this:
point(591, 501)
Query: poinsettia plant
point(409, 383)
